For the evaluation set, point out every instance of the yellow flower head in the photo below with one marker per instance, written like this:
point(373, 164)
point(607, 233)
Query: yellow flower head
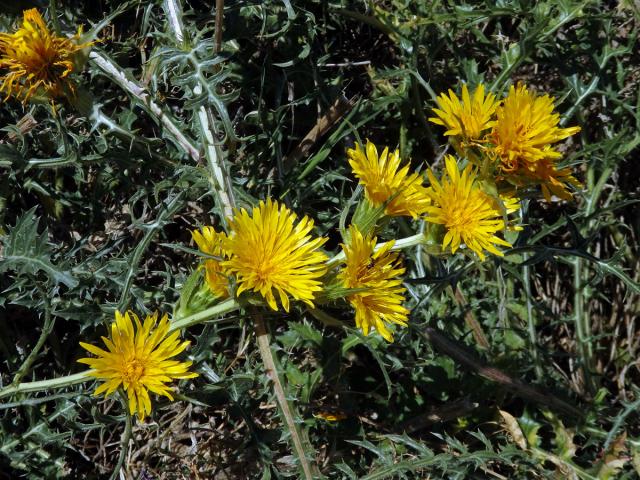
point(270, 252)
point(383, 182)
point(36, 59)
point(554, 181)
point(211, 242)
point(138, 359)
point(379, 273)
point(467, 118)
point(525, 130)
point(467, 213)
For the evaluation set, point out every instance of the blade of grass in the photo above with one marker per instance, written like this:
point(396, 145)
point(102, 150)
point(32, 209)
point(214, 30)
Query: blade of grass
point(526, 283)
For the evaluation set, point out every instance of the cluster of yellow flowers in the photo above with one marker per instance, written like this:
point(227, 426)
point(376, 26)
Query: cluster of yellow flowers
point(457, 201)
point(271, 253)
point(270, 256)
point(514, 137)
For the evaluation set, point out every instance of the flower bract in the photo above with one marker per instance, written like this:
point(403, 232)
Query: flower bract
point(468, 214)
point(211, 242)
point(138, 359)
point(467, 118)
point(378, 273)
point(385, 181)
point(35, 60)
point(271, 253)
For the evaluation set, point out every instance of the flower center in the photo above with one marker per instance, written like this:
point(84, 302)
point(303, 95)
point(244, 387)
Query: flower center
point(380, 192)
point(265, 270)
point(459, 217)
point(133, 370)
point(470, 125)
point(42, 60)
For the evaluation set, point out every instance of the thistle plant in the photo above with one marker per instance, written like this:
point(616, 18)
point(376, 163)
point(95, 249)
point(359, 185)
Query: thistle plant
point(328, 267)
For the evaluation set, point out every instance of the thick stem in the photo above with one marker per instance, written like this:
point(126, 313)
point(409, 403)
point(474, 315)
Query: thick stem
point(270, 366)
point(173, 9)
point(225, 307)
point(40, 385)
point(219, 176)
point(219, 19)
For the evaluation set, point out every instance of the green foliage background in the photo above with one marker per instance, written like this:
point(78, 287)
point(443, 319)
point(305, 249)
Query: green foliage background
point(97, 204)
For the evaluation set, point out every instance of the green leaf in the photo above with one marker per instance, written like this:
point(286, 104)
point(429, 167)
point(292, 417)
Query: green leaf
point(26, 251)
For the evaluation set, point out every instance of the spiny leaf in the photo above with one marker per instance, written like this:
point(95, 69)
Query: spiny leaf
point(28, 252)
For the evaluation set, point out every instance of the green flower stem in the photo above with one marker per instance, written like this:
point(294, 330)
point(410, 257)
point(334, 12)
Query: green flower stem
point(126, 437)
point(300, 441)
point(225, 307)
point(407, 242)
point(40, 385)
point(49, 322)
